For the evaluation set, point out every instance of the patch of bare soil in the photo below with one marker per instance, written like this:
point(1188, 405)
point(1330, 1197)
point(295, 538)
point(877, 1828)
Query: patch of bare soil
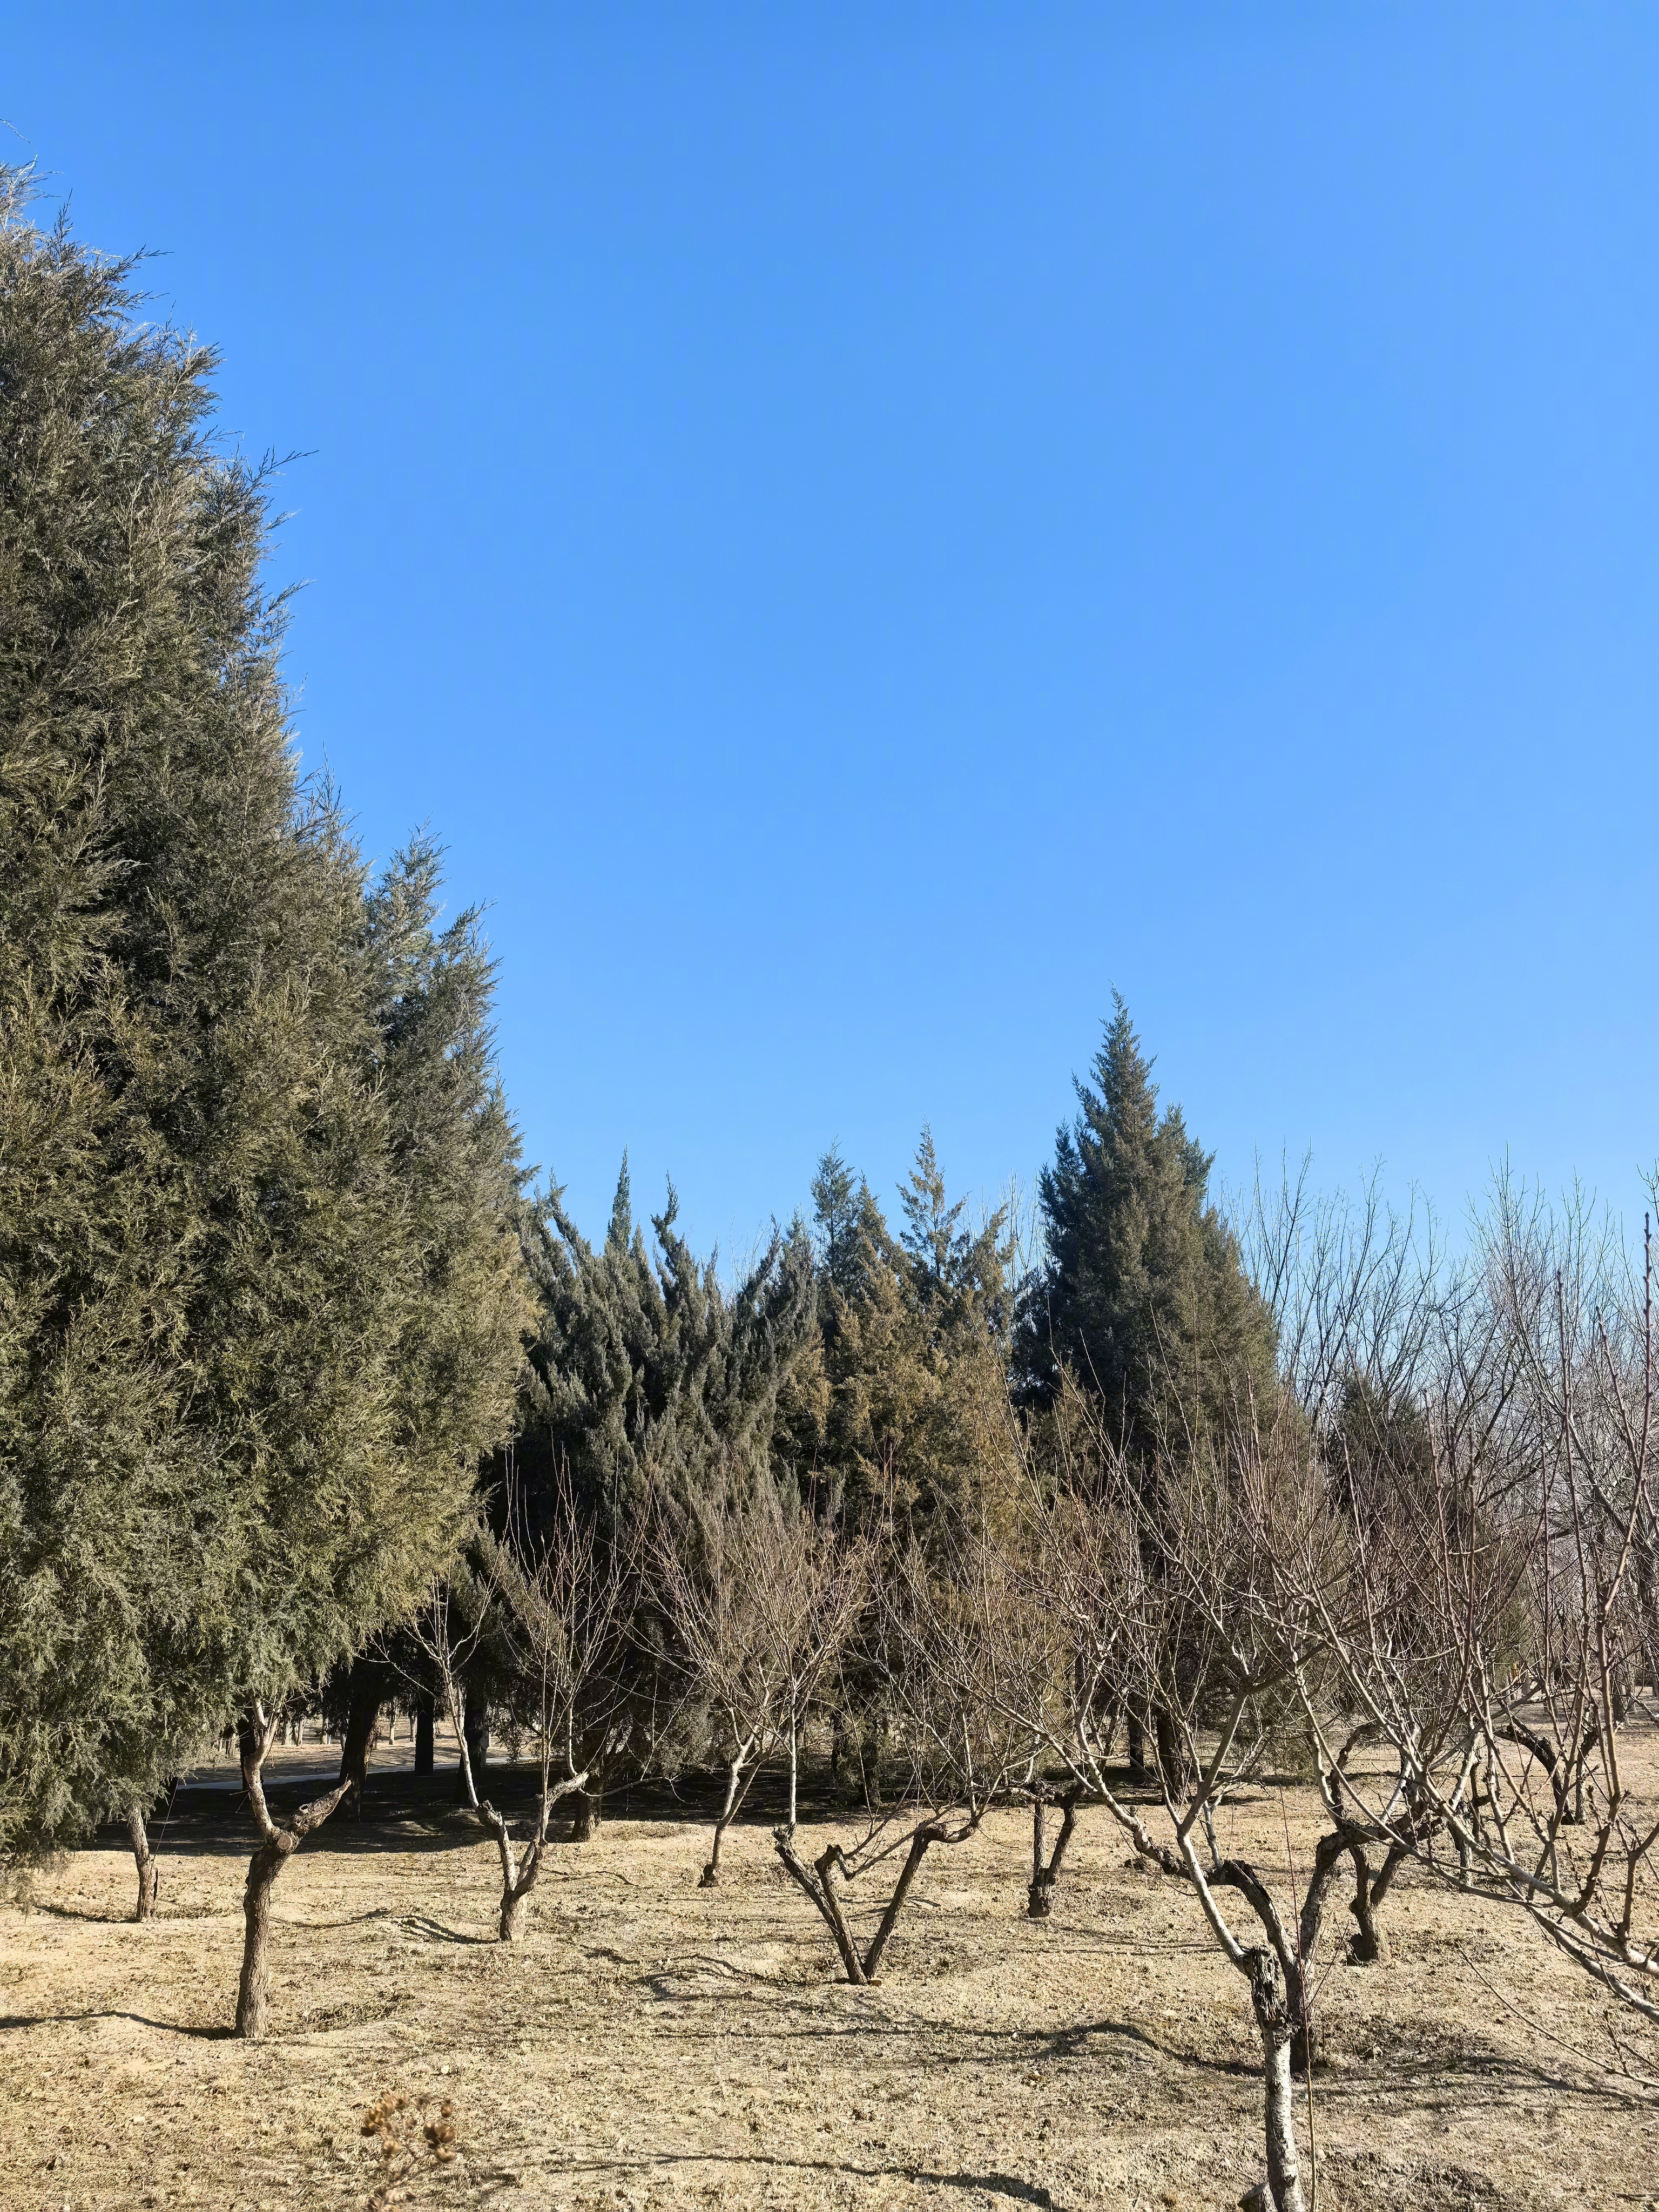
point(654, 2045)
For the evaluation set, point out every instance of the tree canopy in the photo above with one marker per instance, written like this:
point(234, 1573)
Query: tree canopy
point(1142, 1294)
point(260, 1296)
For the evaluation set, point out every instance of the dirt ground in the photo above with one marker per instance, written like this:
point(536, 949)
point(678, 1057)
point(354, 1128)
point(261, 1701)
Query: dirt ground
point(652, 2044)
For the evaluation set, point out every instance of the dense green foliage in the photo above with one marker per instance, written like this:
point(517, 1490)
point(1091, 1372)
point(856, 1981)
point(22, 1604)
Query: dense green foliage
point(890, 1412)
point(259, 1300)
point(1143, 1297)
point(649, 1378)
point(266, 1277)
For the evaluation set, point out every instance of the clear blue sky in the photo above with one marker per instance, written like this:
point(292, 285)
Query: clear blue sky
point(865, 526)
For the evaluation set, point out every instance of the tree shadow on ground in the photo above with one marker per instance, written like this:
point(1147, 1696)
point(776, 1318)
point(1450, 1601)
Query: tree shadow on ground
point(1011, 2185)
point(11, 2021)
point(422, 1924)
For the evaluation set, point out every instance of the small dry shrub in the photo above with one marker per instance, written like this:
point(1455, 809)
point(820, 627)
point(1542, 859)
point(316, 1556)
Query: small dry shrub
point(411, 2129)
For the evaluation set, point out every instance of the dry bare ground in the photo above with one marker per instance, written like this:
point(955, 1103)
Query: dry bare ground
point(651, 2044)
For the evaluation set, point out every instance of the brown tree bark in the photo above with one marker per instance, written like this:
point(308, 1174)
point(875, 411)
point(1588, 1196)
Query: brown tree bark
point(277, 1845)
point(1045, 1872)
point(149, 1867)
point(370, 1680)
point(585, 1824)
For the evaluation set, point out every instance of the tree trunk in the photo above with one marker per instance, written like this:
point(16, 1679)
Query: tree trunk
point(585, 1824)
point(276, 1847)
point(711, 1873)
point(425, 1737)
point(1398, 1855)
point(918, 1852)
point(1273, 2017)
point(1137, 1744)
point(517, 1878)
point(476, 1722)
point(253, 1993)
point(1366, 1944)
point(1173, 1759)
point(794, 1767)
point(149, 1867)
point(1039, 1898)
point(366, 1696)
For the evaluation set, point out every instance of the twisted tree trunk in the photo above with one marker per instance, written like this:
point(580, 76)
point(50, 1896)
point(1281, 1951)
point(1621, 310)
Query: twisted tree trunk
point(149, 1867)
point(255, 1735)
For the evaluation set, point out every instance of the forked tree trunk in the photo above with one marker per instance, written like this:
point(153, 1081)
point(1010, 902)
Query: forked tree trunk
point(740, 1773)
point(819, 1882)
point(1365, 1945)
point(1040, 1897)
point(795, 1762)
point(149, 1867)
point(517, 1876)
point(276, 1847)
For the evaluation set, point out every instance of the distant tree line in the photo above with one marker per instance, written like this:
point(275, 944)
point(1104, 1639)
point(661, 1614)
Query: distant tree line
point(309, 1402)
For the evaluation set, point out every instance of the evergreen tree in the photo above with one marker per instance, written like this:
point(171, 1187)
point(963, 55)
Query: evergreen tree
point(958, 1276)
point(649, 1379)
point(1143, 1297)
point(259, 1291)
point(651, 1384)
point(894, 1414)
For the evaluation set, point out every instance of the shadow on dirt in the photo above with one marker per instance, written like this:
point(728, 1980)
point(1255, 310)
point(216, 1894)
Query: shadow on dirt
point(10, 2022)
point(1009, 2185)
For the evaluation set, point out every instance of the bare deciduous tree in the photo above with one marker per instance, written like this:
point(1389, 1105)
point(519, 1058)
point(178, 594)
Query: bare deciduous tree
point(256, 1733)
point(1151, 1592)
point(949, 1665)
point(554, 1605)
point(1494, 1624)
point(762, 1600)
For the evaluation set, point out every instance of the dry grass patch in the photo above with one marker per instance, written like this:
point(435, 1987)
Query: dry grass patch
point(652, 2045)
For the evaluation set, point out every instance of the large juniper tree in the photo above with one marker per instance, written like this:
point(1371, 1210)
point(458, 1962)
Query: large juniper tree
point(1142, 1299)
point(1142, 1294)
point(258, 1316)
